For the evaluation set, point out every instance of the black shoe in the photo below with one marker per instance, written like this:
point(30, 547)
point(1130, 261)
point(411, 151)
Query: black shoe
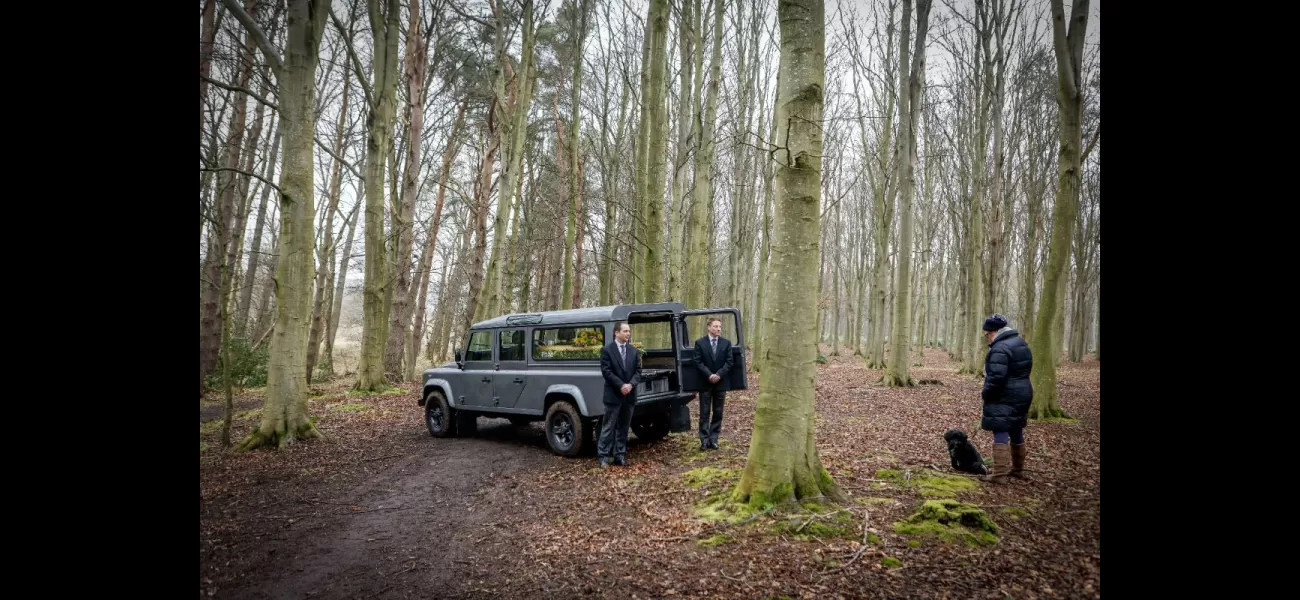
point(713, 444)
point(704, 445)
point(620, 461)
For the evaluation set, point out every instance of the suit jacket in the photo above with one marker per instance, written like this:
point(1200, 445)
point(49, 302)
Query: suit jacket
point(617, 372)
point(710, 364)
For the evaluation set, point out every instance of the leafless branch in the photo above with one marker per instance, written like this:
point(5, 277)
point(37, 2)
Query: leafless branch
point(352, 54)
point(244, 173)
point(272, 54)
point(1096, 135)
point(235, 88)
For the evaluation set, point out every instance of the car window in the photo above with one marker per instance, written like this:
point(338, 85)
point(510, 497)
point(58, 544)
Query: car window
point(568, 343)
point(480, 346)
point(512, 345)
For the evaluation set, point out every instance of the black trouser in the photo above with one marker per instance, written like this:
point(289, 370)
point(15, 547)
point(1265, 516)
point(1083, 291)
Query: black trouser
point(711, 402)
point(613, 430)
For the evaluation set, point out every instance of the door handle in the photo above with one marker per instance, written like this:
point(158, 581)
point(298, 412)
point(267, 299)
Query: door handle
point(519, 380)
point(487, 380)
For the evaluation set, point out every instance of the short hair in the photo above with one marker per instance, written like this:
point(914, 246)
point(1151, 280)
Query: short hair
point(711, 320)
point(618, 326)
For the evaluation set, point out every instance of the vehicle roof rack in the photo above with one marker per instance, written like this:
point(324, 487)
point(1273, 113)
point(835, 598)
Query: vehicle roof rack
point(529, 319)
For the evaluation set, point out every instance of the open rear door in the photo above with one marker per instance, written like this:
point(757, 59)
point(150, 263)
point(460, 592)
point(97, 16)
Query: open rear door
point(690, 327)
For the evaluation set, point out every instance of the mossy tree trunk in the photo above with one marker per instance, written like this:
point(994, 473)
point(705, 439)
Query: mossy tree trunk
point(416, 66)
point(285, 415)
point(909, 106)
point(656, 151)
point(783, 463)
point(1046, 345)
point(384, 24)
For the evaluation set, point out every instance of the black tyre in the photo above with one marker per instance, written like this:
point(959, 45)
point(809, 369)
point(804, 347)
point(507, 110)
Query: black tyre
point(438, 415)
point(651, 428)
point(566, 430)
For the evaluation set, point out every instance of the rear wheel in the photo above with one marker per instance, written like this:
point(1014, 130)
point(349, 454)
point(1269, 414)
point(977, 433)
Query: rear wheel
point(566, 430)
point(652, 427)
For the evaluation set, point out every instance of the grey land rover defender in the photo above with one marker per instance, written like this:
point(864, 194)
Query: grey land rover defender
point(546, 367)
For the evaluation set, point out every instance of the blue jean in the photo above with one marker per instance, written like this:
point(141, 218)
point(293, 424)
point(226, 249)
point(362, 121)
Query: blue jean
point(1016, 436)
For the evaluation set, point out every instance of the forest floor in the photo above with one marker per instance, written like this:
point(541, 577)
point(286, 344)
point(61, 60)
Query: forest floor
point(380, 509)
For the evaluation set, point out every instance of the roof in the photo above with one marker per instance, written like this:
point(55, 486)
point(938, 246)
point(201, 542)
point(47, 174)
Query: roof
point(617, 312)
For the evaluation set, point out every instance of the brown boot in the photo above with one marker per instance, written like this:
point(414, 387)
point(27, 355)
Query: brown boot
point(1018, 454)
point(1001, 464)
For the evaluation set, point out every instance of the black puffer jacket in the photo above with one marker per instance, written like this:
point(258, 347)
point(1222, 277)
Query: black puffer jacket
point(1007, 392)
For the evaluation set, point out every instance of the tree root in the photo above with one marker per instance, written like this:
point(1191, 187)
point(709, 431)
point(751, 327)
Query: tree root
point(891, 380)
point(277, 438)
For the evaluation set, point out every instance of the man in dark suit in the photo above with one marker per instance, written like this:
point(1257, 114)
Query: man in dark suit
point(713, 358)
point(620, 364)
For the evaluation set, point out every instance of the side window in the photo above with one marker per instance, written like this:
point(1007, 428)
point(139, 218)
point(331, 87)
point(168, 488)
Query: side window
point(512, 345)
point(568, 343)
point(480, 346)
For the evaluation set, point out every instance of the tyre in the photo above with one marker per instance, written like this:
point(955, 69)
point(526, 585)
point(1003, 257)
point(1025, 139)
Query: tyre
point(651, 428)
point(566, 430)
point(438, 415)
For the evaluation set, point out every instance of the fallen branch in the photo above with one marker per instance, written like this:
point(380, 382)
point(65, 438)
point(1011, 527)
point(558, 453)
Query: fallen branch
point(819, 516)
point(866, 519)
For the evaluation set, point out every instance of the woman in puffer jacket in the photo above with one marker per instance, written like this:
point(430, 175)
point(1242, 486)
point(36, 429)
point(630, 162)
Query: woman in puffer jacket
point(1007, 395)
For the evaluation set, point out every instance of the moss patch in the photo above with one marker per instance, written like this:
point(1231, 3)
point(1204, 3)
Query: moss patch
point(714, 541)
point(950, 520)
point(876, 501)
point(932, 484)
point(807, 527)
point(1015, 512)
point(354, 407)
point(708, 476)
point(891, 562)
point(719, 507)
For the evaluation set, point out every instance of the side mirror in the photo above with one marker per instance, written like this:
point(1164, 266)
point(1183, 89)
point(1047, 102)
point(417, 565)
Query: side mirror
point(459, 358)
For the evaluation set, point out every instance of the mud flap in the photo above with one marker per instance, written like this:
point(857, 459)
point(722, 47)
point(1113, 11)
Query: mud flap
point(680, 414)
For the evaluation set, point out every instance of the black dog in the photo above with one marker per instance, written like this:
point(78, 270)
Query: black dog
point(963, 453)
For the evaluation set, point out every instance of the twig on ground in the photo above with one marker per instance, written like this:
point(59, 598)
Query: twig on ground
point(819, 516)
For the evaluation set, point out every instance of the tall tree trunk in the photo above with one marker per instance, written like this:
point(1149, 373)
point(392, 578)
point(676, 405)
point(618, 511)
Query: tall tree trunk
point(482, 192)
point(697, 279)
point(1046, 346)
point(285, 413)
point(783, 463)
point(515, 132)
point(571, 295)
point(610, 187)
point(652, 271)
point(430, 245)
point(384, 23)
point(759, 351)
point(909, 105)
point(216, 271)
point(677, 228)
point(340, 284)
point(416, 67)
point(325, 254)
point(255, 253)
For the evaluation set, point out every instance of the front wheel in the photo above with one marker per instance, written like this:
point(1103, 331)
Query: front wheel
point(566, 430)
point(438, 415)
